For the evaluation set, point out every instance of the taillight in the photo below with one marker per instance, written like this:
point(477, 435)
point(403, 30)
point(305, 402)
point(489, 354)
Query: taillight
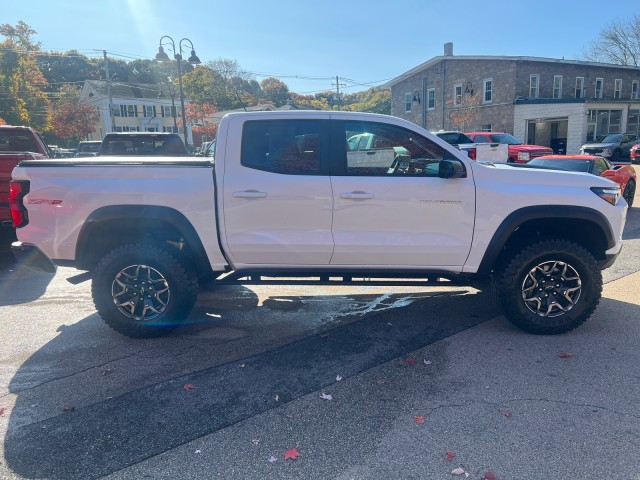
point(472, 153)
point(17, 191)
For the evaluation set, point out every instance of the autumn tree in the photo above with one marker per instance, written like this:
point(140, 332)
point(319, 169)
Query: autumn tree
point(373, 100)
point(200, 116)
point(465, 115)
point(618, 43)
point(71, 120)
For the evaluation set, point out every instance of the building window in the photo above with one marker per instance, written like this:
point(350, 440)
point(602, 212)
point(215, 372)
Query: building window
point(431, 98)
point(408, 97)
point(149, 111)
point(534, 86)
point(579, 87)
point(457, 94)
point(634, 90)
point(599, 85)
point(132, 110)
point(557, 86)
point(117, 109)
point(485, 128)
point(603, 122)
point(487, 90)
point(617, 88)
point(170, 129)
point(633, 122)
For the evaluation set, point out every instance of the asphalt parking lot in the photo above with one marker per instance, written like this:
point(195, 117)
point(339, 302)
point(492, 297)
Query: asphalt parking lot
point(357, 383)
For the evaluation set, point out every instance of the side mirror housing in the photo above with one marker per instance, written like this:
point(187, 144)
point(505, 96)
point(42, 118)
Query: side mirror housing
point(452, 169)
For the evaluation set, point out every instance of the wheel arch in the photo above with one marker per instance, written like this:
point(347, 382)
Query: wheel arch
point(583, 225)
point(108, 227)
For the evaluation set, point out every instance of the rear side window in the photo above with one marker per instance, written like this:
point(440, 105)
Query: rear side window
point(282, 146)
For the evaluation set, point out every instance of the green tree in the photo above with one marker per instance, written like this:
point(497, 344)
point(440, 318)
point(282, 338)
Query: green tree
point(205, 85)
point(276, 91)
point(20, 35)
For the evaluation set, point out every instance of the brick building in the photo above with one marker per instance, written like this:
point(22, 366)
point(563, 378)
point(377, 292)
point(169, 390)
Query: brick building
point(557, 103)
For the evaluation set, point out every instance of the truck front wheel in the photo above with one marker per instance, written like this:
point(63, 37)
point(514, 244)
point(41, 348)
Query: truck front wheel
point(143, 290)
point(550, 287)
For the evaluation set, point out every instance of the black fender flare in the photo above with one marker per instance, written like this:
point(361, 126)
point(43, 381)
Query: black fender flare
point(138, 214)
point(521, 216)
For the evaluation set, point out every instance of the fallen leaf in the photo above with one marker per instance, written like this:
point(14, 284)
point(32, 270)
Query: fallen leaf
point(338, 378)
point(427, 362)
point(277, 398)
point(255, 441)
point(242, 365)
point(188, 386)
point(198, 451)
point(2, 411)
point(325, 396)
point(411, 361)
point(458, 471)
point(419, 418)
point(450, 455)
point(291, 454)
point(272, 459)
point(489, 476)
point(565, 355)
point(506, 413)
point(107, 371)
point(68, 408)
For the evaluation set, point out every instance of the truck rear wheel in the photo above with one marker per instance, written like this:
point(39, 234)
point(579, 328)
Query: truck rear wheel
point(143, 290)
point(550, 287)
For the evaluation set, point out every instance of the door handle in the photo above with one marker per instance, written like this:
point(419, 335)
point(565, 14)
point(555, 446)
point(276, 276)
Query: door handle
point(357, 195)
point(249, 194)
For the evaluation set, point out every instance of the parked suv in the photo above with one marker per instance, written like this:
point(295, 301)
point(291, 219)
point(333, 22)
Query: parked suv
point(89, 148)
point(613, 146)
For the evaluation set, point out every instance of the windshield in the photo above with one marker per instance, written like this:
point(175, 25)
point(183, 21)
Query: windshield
point(505, 138)
point(572, 165)
point(612, 138)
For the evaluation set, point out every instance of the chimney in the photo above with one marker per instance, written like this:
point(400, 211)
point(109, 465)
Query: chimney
point(448, 49)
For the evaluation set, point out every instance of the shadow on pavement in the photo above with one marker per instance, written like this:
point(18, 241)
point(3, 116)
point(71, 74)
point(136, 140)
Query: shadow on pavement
point(87, 409)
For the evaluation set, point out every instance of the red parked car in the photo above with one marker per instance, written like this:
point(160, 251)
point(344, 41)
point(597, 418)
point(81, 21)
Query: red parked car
point(518, 151)
point(623, 175)
point(634, 153)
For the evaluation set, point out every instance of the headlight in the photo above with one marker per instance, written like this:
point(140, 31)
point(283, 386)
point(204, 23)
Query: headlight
point(608, 194)
point(524, 156)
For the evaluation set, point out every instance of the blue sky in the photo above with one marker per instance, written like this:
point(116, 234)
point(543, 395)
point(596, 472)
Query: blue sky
point(308, 43)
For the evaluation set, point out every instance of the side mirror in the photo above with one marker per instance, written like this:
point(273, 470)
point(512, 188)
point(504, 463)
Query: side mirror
point(451, 169)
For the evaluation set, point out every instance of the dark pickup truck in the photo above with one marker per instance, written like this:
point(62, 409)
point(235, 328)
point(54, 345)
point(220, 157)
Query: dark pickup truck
point(16, 144)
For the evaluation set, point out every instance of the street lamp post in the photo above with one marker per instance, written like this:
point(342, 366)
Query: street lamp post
point(177, 54)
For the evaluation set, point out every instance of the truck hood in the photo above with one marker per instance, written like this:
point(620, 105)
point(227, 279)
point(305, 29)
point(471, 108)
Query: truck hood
point(525, 174)
point(529, 148)
point(599, 145)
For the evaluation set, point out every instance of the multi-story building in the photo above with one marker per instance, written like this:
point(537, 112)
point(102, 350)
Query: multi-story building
point(543, 101)
point(134, 108)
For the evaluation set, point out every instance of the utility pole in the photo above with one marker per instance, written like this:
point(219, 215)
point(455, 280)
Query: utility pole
point(111, 125)
point(338, 85)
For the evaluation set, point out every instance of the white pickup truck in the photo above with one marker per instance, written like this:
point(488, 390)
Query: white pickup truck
point(287, 199)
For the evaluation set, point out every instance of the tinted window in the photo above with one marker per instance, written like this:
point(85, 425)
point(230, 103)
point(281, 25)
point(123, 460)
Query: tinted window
point(282, 146)
point(454, 138)
point(17, 141)
point(389, 150)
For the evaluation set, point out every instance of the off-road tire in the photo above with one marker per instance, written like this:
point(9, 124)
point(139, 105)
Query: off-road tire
point(543, 276)
point(167, 282)
point(629, 192)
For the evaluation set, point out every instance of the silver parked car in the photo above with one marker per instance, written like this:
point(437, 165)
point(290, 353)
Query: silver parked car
point(613, 146)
